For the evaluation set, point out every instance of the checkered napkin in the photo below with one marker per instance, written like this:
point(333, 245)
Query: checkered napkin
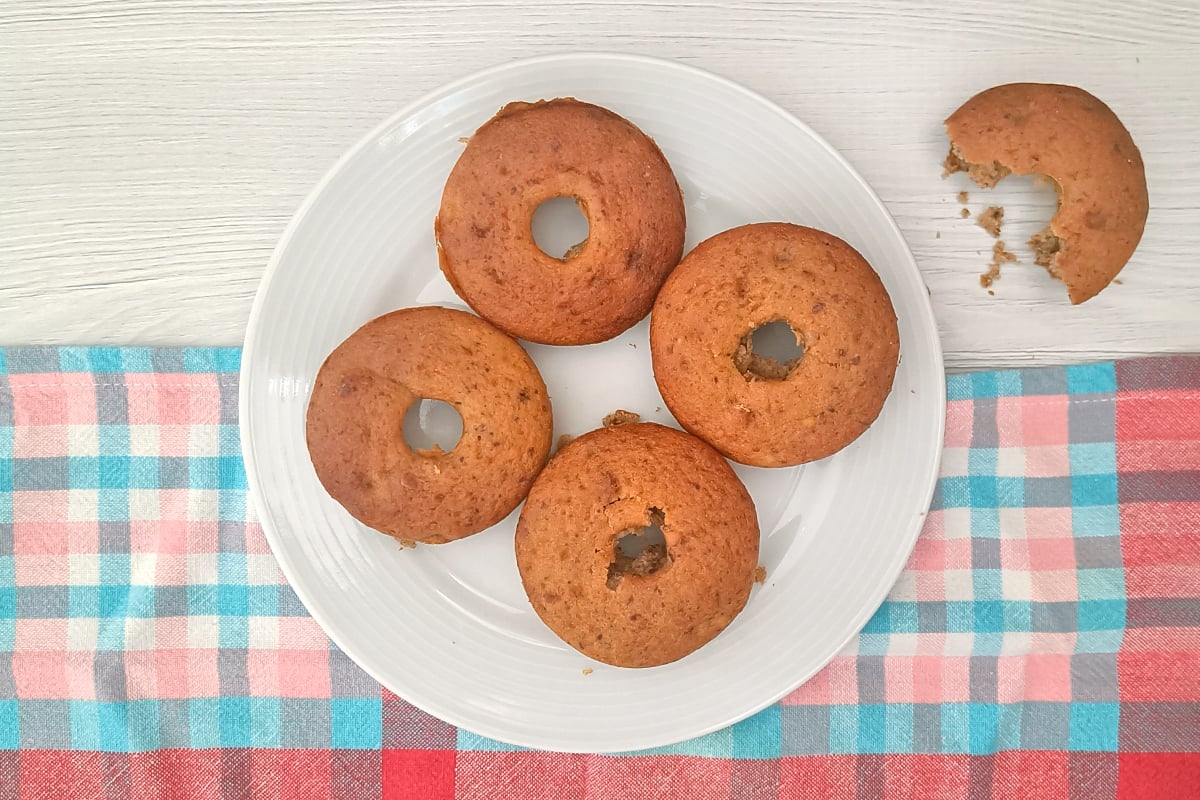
point(1043, 642)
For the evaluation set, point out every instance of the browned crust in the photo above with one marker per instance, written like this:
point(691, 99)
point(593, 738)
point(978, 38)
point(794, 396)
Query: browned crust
point(607, 482)
point(355, 417)
point(834, 302)
point(1070, 136)
point(532, 152)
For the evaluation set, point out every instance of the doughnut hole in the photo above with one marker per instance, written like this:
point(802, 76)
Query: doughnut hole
point(432, 427)
point(560, 227)
point(639, 551)
point(770, 352)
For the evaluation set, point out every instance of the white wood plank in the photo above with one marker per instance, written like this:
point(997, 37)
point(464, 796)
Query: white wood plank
point(152, 152)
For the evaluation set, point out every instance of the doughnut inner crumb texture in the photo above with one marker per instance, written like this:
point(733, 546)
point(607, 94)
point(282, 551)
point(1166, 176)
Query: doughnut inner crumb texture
point(639, 551)
point(990, 219)
point(754, 365)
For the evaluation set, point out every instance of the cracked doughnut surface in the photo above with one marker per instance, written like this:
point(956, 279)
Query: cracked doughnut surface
point(747, 277)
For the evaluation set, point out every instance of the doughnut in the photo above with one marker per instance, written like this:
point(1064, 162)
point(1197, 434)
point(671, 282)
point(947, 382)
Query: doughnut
point(532, 152)
point(651, 608)
point(753, 409)
point(356, 416)
point(1071, 137)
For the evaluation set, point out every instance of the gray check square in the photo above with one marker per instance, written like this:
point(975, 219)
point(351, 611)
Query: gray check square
point(346, 679)
point(173, 472)
point(1098, 552)
point(1048, 492)
point(112, 402)
point(289, 603)
point(43, 602)
point(931, 617)
point(233, 671)
point(231, 536)
point(174, 722)
point(805, 730)
point(228, 385)
point(6, 403)
point(108, 673)
point(41, 474)
point(34, 359)
point(927, 728)
point(1091, 421)
point(983, 683)
point(984, 432)
point(1061, 617)
point(985, 553)
point(44, 724)
point(1045, 726)
point(113, 537)
point(167, 359)
point(870, 679)
point(304, 723)
point(1052, 380)
point(8, 685)
point(1094, 678)
point(170, 601)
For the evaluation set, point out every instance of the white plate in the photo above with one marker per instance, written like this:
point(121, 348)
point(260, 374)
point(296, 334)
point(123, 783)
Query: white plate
point(448, 628)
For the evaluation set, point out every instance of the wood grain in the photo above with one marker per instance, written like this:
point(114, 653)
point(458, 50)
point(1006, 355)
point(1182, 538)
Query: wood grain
point(152, 152)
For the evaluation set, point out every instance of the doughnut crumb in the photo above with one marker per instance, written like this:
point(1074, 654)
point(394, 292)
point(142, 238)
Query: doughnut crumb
point(760, 574)
point(621, 417)
point(1045, 248)
point(999, 256)
point(653, 558)
point(563, 441)
point(990, 219)
point(963, 197)
point(587, 670)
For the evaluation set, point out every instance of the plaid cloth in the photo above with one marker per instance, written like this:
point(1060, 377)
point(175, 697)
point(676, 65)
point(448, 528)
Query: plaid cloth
point(1044, 640)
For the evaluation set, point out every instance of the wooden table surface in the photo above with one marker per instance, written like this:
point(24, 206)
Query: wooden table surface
point(152, 151)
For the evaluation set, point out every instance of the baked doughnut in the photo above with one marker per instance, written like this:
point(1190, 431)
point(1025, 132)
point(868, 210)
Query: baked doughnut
point(754, 409)
point(356, 417)
point(532, 152)
point(1073, 138)
point(657, 606)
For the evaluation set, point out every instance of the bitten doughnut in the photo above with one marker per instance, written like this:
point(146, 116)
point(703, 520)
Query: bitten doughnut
point(356, 417)
point(657, 606)
point(754, 409)
point(530, 153)
point(1070, 136)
